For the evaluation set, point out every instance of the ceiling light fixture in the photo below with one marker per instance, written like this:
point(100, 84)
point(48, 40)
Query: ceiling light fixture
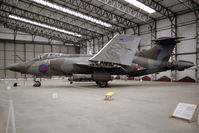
point(141, 6)
point(75, 13)
point(44, 25)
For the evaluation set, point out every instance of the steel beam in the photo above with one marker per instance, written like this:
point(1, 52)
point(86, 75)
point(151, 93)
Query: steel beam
point(158, 7)
point(73, 3)
point(63, 17)
point(66, 4)
point(192, 5)
point(31, 29)
point(47, 20)
point(114, 19)
point(127, 10)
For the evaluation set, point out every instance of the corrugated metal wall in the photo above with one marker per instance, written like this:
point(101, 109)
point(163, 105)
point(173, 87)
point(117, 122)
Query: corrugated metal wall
point(186, 27)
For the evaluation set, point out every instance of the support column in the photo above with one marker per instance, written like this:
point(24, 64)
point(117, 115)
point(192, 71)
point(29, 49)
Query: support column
point(98, 44)
point(153, 28)
point(59, 48)
point(51, 47)
point(43, 48)
point(173, 20)
point(24, 52)
point(197, 46)
point(4, 49)
point(89, 47)
point(15, 36)
point(24, 58)
point(93, 46)
point(15, 53)
point(102, 41)
point(33, 38)
point(85, 44)
point(137, 32)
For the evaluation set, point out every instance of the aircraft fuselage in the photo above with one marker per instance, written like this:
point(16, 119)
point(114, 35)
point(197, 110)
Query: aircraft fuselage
point(66, 66)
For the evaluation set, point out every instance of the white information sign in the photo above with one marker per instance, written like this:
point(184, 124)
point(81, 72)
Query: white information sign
point(185, 111)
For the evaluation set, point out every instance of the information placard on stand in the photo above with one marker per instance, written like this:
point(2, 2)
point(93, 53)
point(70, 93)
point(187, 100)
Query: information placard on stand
point(185, 111)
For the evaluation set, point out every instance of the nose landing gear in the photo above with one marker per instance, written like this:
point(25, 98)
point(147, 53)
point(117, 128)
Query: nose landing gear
point(37, 84)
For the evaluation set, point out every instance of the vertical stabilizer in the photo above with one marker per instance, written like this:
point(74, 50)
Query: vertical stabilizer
point(163, 50)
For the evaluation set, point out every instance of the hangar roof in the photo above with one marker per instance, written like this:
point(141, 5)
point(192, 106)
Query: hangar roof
point(75, 21)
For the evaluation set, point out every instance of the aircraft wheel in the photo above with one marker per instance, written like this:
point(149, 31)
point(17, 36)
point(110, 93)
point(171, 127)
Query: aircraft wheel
point(102, 83)
point(15, 85)
point(37, 84)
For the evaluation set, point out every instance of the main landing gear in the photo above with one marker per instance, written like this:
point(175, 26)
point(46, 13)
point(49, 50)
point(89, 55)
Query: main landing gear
point(37, 83)
point(102, 84)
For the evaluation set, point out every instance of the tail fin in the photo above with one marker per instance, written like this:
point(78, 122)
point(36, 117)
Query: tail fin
point(163, 50)
point(120, 49)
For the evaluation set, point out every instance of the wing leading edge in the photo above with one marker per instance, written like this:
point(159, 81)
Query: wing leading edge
point(120, 49)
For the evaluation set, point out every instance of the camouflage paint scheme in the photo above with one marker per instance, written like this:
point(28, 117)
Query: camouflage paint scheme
point(118, 57)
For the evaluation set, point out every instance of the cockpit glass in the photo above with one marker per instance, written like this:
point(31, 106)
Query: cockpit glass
point(48, 55)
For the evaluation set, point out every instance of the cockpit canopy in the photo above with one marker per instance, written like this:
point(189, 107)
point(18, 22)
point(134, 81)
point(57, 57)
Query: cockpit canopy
point(49, 56)
point(57, 55)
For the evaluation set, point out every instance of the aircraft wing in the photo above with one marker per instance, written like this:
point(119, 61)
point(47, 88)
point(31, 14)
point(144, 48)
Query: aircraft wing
point(120, 49)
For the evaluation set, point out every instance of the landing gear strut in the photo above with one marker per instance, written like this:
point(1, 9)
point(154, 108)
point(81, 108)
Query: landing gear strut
point(102, 84)
point(37, 83)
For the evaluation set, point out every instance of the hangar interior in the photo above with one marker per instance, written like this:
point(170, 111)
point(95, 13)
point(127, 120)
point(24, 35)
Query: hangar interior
point(97, 22)
point(31, 27)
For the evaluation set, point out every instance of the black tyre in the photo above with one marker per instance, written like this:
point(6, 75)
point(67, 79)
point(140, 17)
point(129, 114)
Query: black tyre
point(102, 84)
point(37, 84)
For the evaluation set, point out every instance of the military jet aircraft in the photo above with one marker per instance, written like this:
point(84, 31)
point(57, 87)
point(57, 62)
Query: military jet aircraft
point(118, 57)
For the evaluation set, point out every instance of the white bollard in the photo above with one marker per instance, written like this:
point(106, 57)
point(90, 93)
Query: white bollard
point(8, 88)
point(54, 96)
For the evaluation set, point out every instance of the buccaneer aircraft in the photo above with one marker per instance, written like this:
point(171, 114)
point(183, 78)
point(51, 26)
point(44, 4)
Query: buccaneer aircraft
point(118, 57)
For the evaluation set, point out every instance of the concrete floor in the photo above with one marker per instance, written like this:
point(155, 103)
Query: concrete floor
point(137, 107)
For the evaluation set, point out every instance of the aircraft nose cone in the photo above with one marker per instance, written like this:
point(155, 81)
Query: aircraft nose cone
point(19, 67)
point(11, 67)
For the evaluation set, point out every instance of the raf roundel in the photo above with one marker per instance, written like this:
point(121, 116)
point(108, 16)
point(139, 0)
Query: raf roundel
point(43, 68)
point(157, 52)
point(124, 38)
